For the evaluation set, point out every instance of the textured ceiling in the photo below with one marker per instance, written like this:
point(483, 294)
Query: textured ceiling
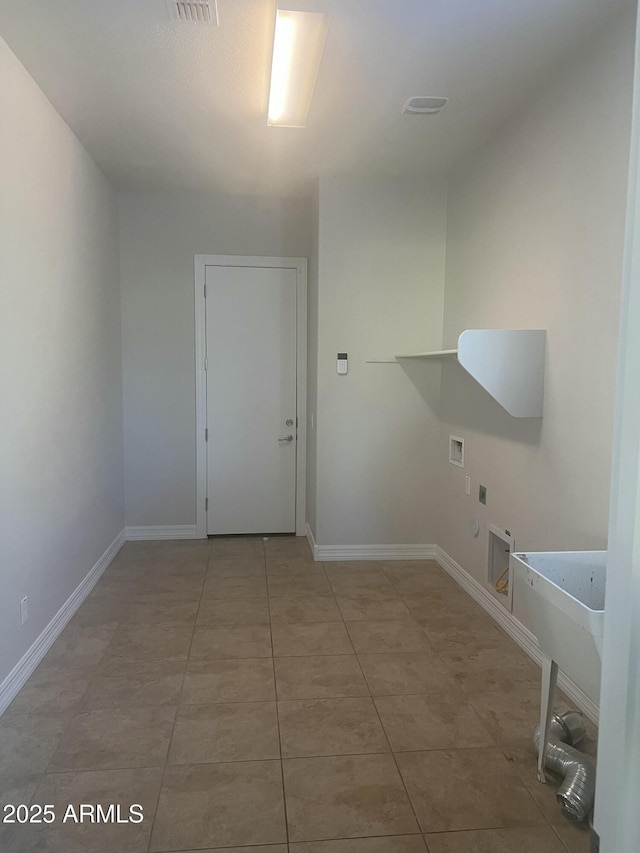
point(169, 104)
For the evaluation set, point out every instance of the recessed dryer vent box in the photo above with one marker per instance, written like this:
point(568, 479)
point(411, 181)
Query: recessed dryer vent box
point(499, 572)
point(456, 450)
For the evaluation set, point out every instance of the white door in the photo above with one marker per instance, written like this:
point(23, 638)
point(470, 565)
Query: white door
point(251, 399)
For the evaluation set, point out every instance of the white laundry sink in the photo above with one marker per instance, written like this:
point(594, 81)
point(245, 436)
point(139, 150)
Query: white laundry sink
point(563, 598)
point(562, 595)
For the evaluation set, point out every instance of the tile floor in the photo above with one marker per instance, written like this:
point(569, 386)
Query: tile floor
point(250, 699)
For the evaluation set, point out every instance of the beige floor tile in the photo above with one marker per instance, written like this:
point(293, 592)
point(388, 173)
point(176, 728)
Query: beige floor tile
point(466, 789)
point(472, 637)
point(292, 566)
point(180, 583)
point(576, 837)
point(305, 608)
point(405, 673)
point(27, 741)
point(261, 848)
point(150, 610)
point(215, 805)
point(242, 680)
point(510, 716)
point(345, 797)
point(430, 581)
point(237, 548)
point(120, 787)
point(236, 568)
point(387, 844)
point(536, 839)
point(169, 563)
point(312, 638)
point(97, 612)
point(79, 646)
point(458, 615)
point(246, 731)
point(18, 788)
point(431, 722)
point(231, 641)
point(123, 660)
point(290, 585)
point(400, 570)
point(522, 759)
point(383, 636)
point(482, 670)
point(252, 586)
point(115, 739)
point(135, 683)
point(141, 555)
point(236, 611)
point(162, 585)
point(441, 594)
point(145, 642)
point(323, 677)
point(362, 607)
point(53, 690)
point(351, 567)
point(311, 727)
point(287, 546)
point(370, 583)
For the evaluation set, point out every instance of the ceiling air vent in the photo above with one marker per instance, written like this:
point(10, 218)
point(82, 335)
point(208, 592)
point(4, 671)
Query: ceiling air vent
point(193, 11)
point(423, 105)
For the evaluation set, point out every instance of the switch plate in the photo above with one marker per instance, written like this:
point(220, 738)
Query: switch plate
point(467, 485)
point(482, 494)
point(24, 611)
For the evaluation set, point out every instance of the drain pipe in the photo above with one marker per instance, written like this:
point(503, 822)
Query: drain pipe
point(577, 792)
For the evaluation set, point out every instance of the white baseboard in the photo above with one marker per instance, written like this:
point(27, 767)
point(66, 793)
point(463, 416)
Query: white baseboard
point(13, 683)
point(514, 628)
point(177, 531)
point(374, 552)
point(312, 542)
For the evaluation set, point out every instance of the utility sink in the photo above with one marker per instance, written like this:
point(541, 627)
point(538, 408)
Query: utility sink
point(562, 596)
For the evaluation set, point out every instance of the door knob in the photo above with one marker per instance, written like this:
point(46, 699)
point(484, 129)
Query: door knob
point(287, 438)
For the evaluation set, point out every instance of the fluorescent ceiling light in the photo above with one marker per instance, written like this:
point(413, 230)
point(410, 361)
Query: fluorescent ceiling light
point(297, 50)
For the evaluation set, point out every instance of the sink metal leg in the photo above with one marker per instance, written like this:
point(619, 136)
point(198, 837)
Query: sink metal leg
point(549, 679)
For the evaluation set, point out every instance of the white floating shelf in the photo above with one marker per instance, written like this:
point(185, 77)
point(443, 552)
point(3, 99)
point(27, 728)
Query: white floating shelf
point(439, 353)
point(507, 363)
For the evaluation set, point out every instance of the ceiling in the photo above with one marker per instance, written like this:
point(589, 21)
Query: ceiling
point(181, 105)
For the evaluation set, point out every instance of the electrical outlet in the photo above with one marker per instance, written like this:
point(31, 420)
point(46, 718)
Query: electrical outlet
point(467, 485)
point(24, 611)
point(482, 494)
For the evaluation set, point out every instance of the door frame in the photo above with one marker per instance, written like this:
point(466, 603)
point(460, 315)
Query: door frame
point(201, 262)
point(618, 782)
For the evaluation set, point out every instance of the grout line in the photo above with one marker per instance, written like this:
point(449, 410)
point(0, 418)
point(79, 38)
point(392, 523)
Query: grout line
point(275, 688)
point(391, 752)
point(173, 728)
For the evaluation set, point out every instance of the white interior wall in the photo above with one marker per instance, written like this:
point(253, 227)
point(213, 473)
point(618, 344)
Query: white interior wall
point(312, 363)
point(159, 234)
point(535, 240)
point(61, 455)
point(381, 278)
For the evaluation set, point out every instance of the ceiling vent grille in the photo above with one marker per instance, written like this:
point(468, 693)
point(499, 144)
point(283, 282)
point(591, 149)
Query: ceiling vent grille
point(194, 11)
point(424, 105)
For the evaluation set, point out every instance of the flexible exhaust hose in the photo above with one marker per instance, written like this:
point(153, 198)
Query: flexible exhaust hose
point(577, 792)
